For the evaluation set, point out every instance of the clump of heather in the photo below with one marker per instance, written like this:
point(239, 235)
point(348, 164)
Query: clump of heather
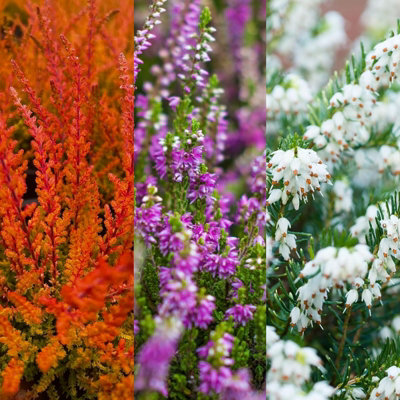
point(200, 176)
point(333, 256)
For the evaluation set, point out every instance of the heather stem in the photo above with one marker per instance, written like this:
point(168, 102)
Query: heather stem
point(344, 336)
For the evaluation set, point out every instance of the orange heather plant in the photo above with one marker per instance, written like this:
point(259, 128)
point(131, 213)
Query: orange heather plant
point(66, 200)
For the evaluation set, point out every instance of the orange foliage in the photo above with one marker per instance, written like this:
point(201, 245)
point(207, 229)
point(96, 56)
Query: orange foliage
point(49, 355)
point(66, 244)
point(12, 376)
point(30, 313)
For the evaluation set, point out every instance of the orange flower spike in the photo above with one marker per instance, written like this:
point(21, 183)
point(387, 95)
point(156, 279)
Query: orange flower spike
point(121, 225)
point(15, 232)
point(45, 180)
point(98, 334)
point(28, 280)
point(40, 111)
point(54, 64)
point(127, 114)
point(50, 355)
point(12, 375)
point(31, 314)
point(12, 338)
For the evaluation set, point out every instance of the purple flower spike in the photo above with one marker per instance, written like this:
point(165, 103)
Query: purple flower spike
point(154, 360)
point(241, 313)
point(213, 380)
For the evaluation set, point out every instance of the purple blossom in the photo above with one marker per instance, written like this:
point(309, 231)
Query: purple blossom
point(215, 373)
point(157, 154)
point(143, 36)
point(170, 242)
point(136, 328)
point(173, 155)
point(237, 387)
point(241, 313)
point(140, 135)
point(259, 175)
point(184, 24)
point(222, 266)
point(213, 379)
point(148, 222)
point(248, 207)
point(225, 343)
point(209, 237)
point(183, 161)
point(201, 186)
point(154, 359)
point(201, 315)
point(195, 48)
point(236, 285)
point(174, 102)
point(188, 261)
point(179, 295)
point(141, 188)
point(165, 276)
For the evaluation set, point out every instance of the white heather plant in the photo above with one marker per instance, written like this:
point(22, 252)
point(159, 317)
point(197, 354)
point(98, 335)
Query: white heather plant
point(333, 315)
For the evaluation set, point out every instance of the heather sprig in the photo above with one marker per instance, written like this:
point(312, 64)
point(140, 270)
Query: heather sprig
point(203, 269)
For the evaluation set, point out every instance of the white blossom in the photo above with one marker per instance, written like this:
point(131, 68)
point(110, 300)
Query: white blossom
point(331, 268)
point(290, 369)
point(290, 98)
point(301, 172)
point(287, 241)
point(379, 16)
point(361, 228)
point(389, 386)
point(343, 196)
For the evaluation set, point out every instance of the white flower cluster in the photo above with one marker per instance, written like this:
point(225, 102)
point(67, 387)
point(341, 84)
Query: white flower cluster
point(287, 241)
point(331, 268)
point(304, 37)
point(355, 103)
point(361, 228)
point(373, 162)
point(348, 125)
point(389, 386)
point(294, 18)
point(386, 111)
point(390, 332)
point(383, 265)
point(301, 172)
point(377, 18)
point(289, 98)
point(389, 246)
point(343, 196)
point(290, 370)
point(353, 393)
point(384, 60)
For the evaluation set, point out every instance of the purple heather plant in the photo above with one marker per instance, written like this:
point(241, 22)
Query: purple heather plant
point(200, 214)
